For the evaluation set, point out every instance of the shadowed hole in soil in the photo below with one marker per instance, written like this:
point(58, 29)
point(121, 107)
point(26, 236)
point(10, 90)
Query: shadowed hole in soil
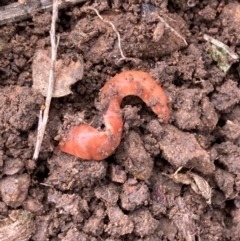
point(65, 21)
point(6, 2)
point(135, 101)
point(230, 208)
point(131, 100)
point(221, 122)
point(179, 81)
point(219, 165)
point(42, 171)
point(161, 163)
point(234, 72)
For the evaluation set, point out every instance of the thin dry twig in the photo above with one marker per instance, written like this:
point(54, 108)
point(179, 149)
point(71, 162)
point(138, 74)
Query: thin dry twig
point(172, 30)
point(19, 11)
point(45, 184)
point(43, 117)
point(123, 57)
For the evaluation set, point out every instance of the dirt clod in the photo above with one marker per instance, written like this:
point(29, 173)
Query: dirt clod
point(133, 195)
point(144, 223)
point(208, 13)
point(67, 172)
point(119, 224)
point(95, 224)
point(33, 205)
point(183, 218)
point(225, 181)
point(109, 194)
point(230, 17)
point(14, 189)
point(69, 204)
point(227, 96)
point(231, 132)
point(20, 107)
point(117, 174)
point(194, 111)
point(18, 226)
point(13, 166)
point(181, 148)
point(74, 234)
point(228, 155)
point(134, 156)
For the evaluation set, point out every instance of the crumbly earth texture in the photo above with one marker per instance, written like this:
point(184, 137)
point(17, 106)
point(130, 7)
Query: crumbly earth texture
point(130, 195)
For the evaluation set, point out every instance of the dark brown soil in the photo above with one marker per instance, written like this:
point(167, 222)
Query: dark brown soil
point(130, 195)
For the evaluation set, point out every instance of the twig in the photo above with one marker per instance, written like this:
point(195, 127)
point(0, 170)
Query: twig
point(54, 45)
point(114, 29)
point(45, 184)
point(18, 11)
point(172, 30)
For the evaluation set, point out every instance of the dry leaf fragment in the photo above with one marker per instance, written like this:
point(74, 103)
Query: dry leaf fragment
point(179, 177)
point(65, 74)
point(198, 184)
point(202, 185)
point(18, 226)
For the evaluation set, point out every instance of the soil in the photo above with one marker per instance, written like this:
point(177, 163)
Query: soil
point(130, 195)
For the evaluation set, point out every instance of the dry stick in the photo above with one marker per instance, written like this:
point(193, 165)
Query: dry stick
point(173, 30)
point(114, 29)
point(17, 11)
point(42, 123)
